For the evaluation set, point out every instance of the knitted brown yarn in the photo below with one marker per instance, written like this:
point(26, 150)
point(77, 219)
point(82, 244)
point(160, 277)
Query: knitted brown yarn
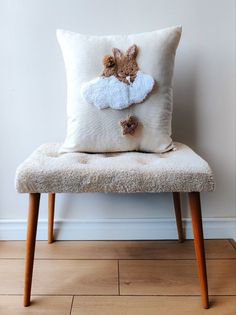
point(122, 65)
point(126, 64)
point(129, 125)
point(109, 66)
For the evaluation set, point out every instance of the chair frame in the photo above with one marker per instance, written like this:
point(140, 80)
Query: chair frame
point(195, 208)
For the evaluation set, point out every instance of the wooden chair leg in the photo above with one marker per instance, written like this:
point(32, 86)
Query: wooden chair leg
point(195, 207)
point(178, 216)
point(51, 207)
point(34, 199)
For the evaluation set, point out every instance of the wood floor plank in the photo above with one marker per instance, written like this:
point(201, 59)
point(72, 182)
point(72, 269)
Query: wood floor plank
point(126, 305)
point(175, 277)
point(215, 249)
point(61, 277)
point(145, 268)
point(40, 305)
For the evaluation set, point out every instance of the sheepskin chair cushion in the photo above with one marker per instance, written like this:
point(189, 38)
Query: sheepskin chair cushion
point(178, 170)
point(112, 77)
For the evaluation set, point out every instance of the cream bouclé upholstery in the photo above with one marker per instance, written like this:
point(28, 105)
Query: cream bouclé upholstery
point(46, 170)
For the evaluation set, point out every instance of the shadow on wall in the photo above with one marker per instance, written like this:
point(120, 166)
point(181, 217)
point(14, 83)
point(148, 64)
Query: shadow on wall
point(112, 205)
point(184, 121)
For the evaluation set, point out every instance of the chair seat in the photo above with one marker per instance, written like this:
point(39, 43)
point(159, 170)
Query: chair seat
point(180, 170)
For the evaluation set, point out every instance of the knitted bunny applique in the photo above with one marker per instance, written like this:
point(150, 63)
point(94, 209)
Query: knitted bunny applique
point(121, 84)
point(127, 67)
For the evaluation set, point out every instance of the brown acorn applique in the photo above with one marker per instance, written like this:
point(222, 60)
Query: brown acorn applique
point(129, 125)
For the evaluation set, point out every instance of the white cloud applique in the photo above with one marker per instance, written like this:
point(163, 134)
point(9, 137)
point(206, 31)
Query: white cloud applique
point(104, 92)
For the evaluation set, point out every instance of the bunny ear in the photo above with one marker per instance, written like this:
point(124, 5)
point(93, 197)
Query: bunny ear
point(117, 53)
point(132, 51)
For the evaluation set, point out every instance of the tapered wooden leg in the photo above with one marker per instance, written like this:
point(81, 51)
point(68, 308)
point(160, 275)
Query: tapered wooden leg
point(34, 199)
point(51, 207)
point(178, 216)
point(195, 207)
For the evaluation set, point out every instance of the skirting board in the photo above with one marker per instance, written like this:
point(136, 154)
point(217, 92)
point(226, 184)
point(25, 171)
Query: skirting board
point(118, 229)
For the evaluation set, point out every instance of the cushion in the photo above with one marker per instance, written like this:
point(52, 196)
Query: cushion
point(111, 79)
point(46, 170)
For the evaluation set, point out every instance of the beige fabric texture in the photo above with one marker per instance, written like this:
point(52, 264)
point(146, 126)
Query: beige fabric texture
point(90, 129)
point(46, 170)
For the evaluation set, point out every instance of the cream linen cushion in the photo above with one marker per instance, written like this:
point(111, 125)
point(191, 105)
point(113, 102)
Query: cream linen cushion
point(91, 129)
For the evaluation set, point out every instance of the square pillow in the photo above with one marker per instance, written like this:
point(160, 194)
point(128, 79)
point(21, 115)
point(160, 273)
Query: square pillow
point(119, 91)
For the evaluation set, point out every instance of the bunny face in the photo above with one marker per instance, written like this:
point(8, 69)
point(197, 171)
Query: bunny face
point(126, 64)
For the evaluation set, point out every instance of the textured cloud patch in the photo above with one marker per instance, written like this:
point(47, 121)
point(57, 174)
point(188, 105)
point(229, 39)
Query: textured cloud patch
point(105, 92)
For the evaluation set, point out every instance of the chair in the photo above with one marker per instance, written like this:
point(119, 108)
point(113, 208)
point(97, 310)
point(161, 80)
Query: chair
point(177, 171)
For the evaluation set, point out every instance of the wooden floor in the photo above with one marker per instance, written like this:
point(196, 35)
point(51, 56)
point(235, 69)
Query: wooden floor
point(118, 278)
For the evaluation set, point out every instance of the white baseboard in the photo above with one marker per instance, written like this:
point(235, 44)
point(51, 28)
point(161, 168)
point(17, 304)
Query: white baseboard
point(118, 229)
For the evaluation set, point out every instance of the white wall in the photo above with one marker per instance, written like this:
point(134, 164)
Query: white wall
point(33, 94)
